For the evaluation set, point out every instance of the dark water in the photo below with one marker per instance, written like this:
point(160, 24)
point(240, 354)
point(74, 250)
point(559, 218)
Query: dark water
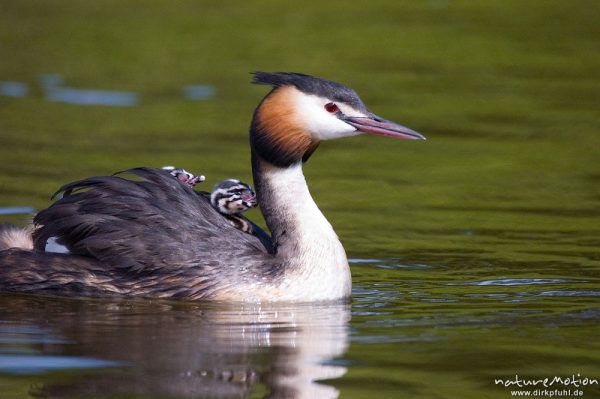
point(475, 255)
point(412, 330)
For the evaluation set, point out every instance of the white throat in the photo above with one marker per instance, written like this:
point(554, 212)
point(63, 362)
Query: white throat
point(318, 267)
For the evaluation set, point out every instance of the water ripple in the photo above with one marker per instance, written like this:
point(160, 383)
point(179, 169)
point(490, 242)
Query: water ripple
point(388, 264)
point(16, 210)
point(55, 91)
point(32, 364)
point(520, 281)
point(568, 293)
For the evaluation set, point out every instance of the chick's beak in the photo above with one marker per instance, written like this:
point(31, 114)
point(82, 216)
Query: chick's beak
point(375, 125)
point(250, 199)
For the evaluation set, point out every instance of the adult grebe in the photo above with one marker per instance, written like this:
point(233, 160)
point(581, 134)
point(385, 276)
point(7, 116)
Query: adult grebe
point(152, 236)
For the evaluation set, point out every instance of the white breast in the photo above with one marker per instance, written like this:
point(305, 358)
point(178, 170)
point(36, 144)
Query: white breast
point(318, 267)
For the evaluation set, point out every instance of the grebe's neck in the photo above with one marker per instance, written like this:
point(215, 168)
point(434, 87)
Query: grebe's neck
point(303, 239)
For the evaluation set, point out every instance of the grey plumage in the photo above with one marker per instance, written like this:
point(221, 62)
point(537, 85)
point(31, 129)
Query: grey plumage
point(124, 231)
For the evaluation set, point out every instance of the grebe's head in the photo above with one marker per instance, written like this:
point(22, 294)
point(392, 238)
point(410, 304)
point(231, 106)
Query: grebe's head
point(183, 175)
point(303, 110)
point(232, 196)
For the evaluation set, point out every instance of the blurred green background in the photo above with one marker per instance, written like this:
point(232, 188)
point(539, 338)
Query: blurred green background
point(507, 92)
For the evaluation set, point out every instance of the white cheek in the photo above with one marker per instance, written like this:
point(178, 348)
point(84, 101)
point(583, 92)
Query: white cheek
point(320, 123)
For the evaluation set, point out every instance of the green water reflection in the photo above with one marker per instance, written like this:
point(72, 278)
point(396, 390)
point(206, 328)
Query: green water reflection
point(480, 247)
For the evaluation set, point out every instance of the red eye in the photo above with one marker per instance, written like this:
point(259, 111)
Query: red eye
point(331, 107)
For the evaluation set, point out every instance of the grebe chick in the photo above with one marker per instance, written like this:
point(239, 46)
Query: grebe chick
point(152, 237)
point(184, 176)
point(230, 197)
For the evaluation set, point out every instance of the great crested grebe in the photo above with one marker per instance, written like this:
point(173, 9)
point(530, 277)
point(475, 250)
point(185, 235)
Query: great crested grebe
point(152, 237)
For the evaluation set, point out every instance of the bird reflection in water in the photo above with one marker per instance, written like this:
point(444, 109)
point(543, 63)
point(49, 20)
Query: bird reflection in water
point(182, 350)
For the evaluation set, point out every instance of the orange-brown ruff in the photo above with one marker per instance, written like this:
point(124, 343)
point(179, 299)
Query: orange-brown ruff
point(153, 237)
point(279, 127)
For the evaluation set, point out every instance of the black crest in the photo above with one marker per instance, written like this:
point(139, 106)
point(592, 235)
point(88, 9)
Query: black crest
point(311, 85)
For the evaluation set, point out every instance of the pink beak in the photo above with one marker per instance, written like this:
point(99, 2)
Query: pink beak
point(375, 125)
